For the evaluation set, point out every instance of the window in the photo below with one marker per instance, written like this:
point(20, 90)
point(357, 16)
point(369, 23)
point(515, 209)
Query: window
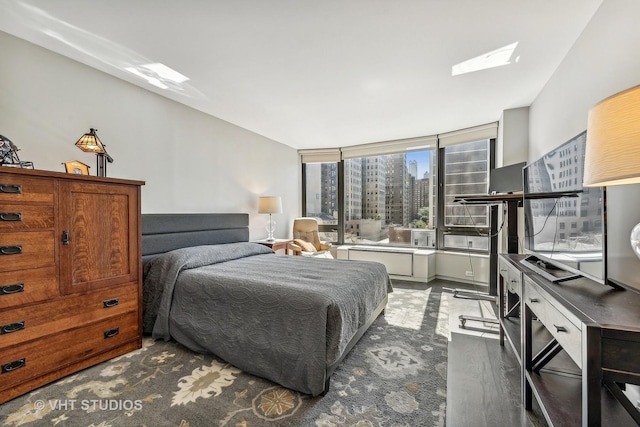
point(394, 201)
point(401, 193)
point(321, 197)
point(321, 190)
point(465, 171)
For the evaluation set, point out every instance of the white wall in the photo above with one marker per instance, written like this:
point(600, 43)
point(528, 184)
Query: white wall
point(603, 61)
point(191, 162)
point(513, 137)
point(512, 147)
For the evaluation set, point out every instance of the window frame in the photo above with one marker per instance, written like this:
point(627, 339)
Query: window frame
point(328, 228)
point(443, 230)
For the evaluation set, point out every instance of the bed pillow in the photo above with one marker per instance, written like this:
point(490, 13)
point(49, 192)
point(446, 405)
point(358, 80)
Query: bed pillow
point(306, 246)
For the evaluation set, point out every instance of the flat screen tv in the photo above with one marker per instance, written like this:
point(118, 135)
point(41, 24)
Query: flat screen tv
point(564, 221)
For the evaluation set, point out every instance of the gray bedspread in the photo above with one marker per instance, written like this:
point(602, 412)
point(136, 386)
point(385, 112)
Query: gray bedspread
point(284, 318)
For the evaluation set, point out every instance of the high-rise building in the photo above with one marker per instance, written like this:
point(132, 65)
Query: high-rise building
point(314, 188)
point(397, 191)
point(374, 173)
point(353, 189)
point(422, 196)
point(413, 168)
point(329, 193)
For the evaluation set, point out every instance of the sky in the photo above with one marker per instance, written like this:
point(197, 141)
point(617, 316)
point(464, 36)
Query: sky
point(423, 158)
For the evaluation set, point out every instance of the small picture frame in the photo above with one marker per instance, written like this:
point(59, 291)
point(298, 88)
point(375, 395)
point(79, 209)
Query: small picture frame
point(76, 167)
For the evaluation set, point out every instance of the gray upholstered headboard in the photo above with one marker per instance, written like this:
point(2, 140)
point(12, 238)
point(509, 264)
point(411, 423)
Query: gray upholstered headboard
point(166, 232)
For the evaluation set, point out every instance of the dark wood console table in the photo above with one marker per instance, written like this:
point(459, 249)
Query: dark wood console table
point(578, 344)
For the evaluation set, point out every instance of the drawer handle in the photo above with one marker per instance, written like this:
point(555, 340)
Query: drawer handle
point(12, 327)
point(111, 333)
point(11, 289)
point(11, 250)
point(534, 300)
point(110, 302)
point(12, 366)
point(560, 328)
point(11, 188)
point(10, 216)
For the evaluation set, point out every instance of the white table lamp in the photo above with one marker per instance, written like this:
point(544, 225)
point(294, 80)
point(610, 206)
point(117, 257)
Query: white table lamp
point(270, 205)
point(612, 155)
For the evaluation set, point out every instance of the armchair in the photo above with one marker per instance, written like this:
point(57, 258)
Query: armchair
point(306, 240)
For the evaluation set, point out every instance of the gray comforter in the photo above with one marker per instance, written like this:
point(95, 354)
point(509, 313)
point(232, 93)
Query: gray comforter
point(284, 318)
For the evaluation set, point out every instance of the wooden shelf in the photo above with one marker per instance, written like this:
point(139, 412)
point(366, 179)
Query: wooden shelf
point(559, 397)
point(560, 400)
point(511, 327)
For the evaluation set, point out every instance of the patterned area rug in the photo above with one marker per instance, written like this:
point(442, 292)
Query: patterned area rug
point(395, 376)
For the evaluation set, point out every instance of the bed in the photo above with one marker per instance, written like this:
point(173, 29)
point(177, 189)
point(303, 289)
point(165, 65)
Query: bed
point(288, 319)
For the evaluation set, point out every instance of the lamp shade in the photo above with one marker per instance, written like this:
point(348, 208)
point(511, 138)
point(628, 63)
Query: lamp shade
point(89, 142)
point(269, 204)
point(612, 155)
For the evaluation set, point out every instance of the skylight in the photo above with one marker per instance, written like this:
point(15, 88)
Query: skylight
point(165, 72)
point(158, 74)
point(152, 80)
point(495, 58)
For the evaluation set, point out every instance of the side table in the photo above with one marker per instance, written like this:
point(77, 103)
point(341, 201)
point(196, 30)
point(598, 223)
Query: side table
point(276, 245)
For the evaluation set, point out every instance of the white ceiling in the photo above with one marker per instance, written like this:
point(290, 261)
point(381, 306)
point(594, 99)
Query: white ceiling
point(314, 74)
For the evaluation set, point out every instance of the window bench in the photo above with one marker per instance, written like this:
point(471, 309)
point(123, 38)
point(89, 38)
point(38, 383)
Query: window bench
point(406, 263)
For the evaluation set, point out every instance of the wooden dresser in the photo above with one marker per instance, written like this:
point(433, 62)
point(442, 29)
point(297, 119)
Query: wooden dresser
point(70, 274)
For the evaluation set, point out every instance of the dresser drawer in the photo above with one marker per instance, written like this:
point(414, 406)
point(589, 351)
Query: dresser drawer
point(25, 217)
point(503, 267)
point(567, 333)
point(16, 188)
point(515, 281)
point(28, 286)
point(511, 276)
point(36, 321)
point(30, 249)
point(40, 357)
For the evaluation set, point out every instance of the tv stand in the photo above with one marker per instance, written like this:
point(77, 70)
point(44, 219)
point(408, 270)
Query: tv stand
point(577, 344)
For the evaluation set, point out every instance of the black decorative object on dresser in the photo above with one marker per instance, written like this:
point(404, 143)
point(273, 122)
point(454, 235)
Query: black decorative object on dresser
point(578, 344)
point(9, 154)
point(70, 275)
